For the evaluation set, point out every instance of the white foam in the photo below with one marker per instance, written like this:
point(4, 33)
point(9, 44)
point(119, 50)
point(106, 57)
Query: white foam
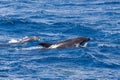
point(13, 41)
point(30, 48)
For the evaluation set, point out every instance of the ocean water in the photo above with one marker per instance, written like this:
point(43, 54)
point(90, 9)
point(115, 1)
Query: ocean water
point(54, 21)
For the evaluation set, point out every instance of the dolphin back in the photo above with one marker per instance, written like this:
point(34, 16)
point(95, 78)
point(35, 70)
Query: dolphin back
point(46, 45)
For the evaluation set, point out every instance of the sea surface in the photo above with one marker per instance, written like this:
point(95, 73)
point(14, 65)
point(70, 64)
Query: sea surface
point(54, 21)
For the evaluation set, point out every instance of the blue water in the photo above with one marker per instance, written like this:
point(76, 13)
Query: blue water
point(54, 21)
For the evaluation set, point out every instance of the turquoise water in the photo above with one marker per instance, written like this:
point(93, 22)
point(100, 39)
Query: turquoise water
point(55, 21)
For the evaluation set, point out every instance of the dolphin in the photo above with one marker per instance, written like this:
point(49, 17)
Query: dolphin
point(27, 39)
point(14, 42)
point(24, 40)
point(74, 42)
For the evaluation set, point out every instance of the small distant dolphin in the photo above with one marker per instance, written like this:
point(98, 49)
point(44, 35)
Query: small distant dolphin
point(20, 41)
point(25, 39)
point(75, 42)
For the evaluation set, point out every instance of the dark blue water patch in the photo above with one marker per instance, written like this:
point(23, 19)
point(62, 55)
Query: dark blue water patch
point(116, 41)
point(22, 70)
point(2, 75)
point(27, 2)
point(70, 4)
point(19, 23)
point(89, 61)
point(53, 60)
point(9, 21)
point(103, 22)
point(21, 26)
point(52, 57)
point(4, 2)
point(63, 25)
point(112, 14)
point(44, 14)
point(109, 3)
point(75, 29)
point(4, 70)
point(115, 36)
point(110, 50)
point(50, 78)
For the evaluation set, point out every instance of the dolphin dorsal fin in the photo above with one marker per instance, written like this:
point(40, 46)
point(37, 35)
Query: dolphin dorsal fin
point(46, 45)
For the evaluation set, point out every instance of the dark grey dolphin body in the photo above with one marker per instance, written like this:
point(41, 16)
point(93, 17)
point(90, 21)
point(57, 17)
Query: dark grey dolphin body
point(75, 42)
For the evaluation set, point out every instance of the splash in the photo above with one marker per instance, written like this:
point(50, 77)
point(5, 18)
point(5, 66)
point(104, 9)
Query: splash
point(13, 41)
